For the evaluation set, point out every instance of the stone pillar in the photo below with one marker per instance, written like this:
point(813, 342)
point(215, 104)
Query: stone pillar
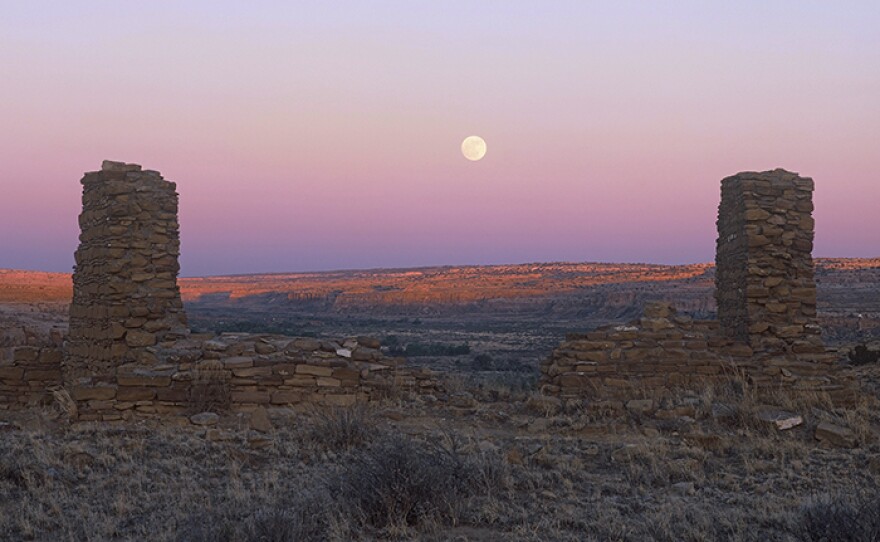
point(764, 282)
point(126, 302)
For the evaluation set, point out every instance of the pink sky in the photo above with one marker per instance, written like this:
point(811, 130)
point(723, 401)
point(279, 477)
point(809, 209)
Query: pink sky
point(305, 136)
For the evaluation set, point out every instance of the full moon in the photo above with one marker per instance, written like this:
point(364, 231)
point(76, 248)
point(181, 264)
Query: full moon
point(473, 148)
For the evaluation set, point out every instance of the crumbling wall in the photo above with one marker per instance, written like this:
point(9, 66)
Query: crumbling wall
point(126, 302)
point(241, 372)
point(766, 327)
point(658, 352)
point(129, 353)
point(29, 375)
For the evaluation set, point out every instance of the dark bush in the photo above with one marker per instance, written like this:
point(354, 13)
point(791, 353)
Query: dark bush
point(288, 517)
point(401, 482)
point(861, 355)
point(302, 517)
point(840, 519)
point(342, 428)
point(430, 349)
point(483, 362)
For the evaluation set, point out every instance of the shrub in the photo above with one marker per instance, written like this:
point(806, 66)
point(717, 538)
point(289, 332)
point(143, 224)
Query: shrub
point(861, 355)
point(304, 517)
point(840, 520)
point(342, 428)
point(483, 362)
point(417, 349)
point(400, 482)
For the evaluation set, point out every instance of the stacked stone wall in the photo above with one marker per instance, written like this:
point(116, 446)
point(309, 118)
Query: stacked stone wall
point(29, 375)
point(126, 300)
point(765, 288)
point(766, 327)
point(656, 354)
point(242, 372)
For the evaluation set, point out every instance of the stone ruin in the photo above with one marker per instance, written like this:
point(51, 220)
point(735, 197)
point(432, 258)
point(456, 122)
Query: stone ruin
point(129, 353)
point(125, 294)
point(765, 289)
point(766, 327)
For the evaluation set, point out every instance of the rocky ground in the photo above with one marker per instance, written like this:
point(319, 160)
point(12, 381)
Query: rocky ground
point(476, 463)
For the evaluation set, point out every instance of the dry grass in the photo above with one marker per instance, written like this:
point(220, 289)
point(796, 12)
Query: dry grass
point(535, 473)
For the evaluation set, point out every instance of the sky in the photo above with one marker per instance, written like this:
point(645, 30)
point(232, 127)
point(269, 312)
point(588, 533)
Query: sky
point(326, 135)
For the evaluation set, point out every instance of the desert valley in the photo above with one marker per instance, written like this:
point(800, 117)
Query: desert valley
point(488, 457)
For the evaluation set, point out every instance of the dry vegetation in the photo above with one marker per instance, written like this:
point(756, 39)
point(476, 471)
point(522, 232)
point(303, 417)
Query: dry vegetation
point(491, 464)
point(490, 461)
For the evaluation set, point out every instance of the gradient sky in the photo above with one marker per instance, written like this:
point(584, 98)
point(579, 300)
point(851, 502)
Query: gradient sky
point(325, 135)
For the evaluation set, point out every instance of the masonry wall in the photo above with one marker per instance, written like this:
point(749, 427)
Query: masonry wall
point(126, 302)
point(240, 372)
point(29, 375)
point(766, 327)
point(653, 355)
point(129, 353)
point(765, 288)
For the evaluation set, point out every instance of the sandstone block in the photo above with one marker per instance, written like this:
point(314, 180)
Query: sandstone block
point(259, 397)
point(836, 435)
point(93, 393)
point(205, 419)
point(314, 370)
point(135, 338)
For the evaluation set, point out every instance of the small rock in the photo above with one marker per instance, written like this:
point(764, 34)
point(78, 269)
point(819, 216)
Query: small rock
point(640, 406)
point(487, 446)
point(462, 400)
point(255, 440)
point(544, 404)
point(369, 342)
point(344, 352)
point(723, 411)
point(534, 448)
point(215, 346)
point(308, 345)
point(836, 435)
point(264, 348)
point(539, 425)
point(6, 426)
point(205, 418)
point(393, 415)
point(874, 464)
point(624, 454)
point(782, 419)
point(110, 165)
point(684, 488)
point(651, 432)
point(658, 309)
point(260, 420)
point(216, 435)
point(514, 456)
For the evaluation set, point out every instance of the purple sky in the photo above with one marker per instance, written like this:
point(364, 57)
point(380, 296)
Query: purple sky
point(322, 135)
